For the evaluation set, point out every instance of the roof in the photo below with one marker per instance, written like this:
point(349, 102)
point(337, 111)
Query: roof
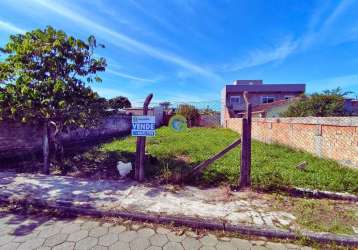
point(268, 106)
point(265, 88)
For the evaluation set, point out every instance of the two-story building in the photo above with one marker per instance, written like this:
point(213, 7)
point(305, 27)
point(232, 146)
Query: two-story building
point(351, 107)
point(232, 100)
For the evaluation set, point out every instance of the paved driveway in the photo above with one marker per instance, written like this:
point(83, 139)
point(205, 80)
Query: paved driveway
point(40, 232)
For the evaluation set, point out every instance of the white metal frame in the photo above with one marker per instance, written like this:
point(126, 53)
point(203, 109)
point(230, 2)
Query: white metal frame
point(267, 97)
point(235, 96)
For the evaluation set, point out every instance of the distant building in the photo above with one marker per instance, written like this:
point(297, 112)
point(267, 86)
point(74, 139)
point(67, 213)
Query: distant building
point(158, 112)
point(274, 98)
point(351, 107)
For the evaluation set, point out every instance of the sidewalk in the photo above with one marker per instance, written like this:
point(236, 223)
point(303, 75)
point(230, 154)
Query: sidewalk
point(215, 205)
point(127, 195)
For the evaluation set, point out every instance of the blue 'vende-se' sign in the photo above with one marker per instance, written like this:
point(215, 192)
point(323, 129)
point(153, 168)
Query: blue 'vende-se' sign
point(143, 125)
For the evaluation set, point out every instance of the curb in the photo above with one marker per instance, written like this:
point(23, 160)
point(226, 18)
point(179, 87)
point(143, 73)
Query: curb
point(318, 194)
point(192, 222)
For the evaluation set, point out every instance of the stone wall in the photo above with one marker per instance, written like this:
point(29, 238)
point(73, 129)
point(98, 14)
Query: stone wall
point(329, 137)
point(20, 139)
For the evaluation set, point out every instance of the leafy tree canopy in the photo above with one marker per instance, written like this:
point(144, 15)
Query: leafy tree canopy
point(327, 103)
point(119, 102)
point(190, 112)
point(43, 78)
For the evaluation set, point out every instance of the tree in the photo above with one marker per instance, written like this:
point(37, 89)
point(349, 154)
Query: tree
point(119, 102)
point(208, 111)
point(43, 81)
point(191, 114)
point(327, 103)
point(165, 105)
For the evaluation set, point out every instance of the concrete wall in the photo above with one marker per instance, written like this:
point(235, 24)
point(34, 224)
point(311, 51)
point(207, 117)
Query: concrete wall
point(211, 121)
point(329, 137)
point(157, 111)
point(19, 139)
point(159, 115)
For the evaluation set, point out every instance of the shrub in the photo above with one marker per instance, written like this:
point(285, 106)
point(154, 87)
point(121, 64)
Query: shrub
point(191, 114)
point(328, 103)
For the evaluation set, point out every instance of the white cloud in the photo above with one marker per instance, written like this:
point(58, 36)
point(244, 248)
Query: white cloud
point(123, 75)
point(337, 12)
point(314, 35)
point(9, 27)
point(259, 56)
point(121, 40)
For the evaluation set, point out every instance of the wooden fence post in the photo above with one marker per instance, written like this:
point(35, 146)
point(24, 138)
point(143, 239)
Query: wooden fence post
point(245, 166)
point(140, 147)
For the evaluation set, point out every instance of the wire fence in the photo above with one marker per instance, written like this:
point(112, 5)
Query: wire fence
point(204, 104)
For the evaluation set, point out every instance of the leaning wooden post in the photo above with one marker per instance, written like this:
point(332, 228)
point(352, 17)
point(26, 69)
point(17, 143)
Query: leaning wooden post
point(245, 166)
point(140, 147)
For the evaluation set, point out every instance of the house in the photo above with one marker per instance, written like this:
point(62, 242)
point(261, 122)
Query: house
point(158, 112)
point(351, 106)
point(232, 100)
point(272, 109)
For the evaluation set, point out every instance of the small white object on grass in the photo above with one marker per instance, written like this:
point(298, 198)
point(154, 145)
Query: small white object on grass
point(302, 165)
point(124, 168)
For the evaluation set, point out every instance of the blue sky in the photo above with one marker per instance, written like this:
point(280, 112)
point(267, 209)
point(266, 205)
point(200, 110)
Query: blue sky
point(186, 50)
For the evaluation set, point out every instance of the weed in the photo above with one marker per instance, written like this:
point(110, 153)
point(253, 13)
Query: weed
point(324, 216)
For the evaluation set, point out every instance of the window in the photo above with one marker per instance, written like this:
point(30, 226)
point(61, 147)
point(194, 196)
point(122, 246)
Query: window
point(289, 97)
point(267, 99)
point(235, 99)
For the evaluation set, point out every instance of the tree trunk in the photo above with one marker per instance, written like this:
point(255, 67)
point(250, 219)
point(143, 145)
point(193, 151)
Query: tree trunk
point(46, 149)
point(59, 158)
point(59, 150)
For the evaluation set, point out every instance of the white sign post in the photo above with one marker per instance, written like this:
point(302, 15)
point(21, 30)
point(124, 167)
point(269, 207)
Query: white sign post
point(143, 125)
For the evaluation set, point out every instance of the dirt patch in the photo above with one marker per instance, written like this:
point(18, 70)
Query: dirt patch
point(184, 158)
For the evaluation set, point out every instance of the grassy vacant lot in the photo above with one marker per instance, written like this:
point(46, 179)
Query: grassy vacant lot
point(320, 215)
point(172, 153)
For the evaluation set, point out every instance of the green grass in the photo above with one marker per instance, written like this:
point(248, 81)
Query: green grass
point(321, 215)
point(172, 153)
point(324, 216)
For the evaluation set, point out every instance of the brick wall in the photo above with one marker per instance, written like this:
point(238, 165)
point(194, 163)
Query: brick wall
point(329, 137)
point(18, 139)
